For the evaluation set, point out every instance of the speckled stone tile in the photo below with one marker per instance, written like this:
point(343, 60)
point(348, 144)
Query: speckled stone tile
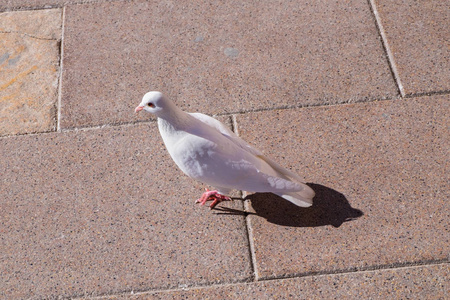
point(105, 211)
point(29, 70)
point(380, 172)
point(423, 282)
point(418, 35)
point(218, 57)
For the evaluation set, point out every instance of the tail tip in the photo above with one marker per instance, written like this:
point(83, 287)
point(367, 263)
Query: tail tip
point(299, 202)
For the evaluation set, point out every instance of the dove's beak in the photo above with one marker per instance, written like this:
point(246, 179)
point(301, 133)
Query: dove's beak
point(138, 109)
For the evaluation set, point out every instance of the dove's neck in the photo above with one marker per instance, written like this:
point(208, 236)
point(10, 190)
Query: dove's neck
point(172, 128)
point(173, 120)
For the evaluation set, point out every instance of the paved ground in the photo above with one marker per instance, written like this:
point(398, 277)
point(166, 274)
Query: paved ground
point(353, 95)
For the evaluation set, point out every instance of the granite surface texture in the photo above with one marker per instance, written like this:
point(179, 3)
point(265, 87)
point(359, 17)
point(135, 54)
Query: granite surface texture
point(352, 95)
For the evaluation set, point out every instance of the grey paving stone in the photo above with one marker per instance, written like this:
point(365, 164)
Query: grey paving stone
point(422, 282)
point(103, 211)
point(29, 70)
point(380, 172)
point(218, 57)
point(417, 33)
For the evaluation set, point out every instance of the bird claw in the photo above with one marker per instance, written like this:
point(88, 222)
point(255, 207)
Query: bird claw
point(214, 196)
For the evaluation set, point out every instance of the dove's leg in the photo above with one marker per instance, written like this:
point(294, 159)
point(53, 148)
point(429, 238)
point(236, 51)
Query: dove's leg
point(212, 195)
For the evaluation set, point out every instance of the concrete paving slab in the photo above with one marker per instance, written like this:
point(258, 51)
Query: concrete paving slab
point(421, 282)
point(380, 171)
point(29, 70)
point(417, 33)
point(105, 211)
point(218, 57)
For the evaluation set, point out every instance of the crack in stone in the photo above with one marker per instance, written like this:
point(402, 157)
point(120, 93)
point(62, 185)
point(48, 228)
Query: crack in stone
point(29, 35)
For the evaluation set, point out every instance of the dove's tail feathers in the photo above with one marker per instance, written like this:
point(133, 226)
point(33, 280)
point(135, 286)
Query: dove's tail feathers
point(302, 198)
point(281, 172)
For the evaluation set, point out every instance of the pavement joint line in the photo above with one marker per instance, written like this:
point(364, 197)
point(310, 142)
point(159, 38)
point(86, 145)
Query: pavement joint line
point(234, 124)
point(387, 49)
point(392, 266)
point(286, 107)
point(8, 136)
point(299, 106)
point(251, 243)
point(223, 285)
point(138, 292)
point(57, 5)
point(248, 228)
point(225, 114)
point(61, 68)
point(82, 128)
point(31, 8)
point(433, 93)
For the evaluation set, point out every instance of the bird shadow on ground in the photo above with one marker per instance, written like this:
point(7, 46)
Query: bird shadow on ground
point(329, 208)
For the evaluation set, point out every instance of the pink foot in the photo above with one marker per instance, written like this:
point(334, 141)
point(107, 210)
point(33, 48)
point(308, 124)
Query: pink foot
point(212, 195)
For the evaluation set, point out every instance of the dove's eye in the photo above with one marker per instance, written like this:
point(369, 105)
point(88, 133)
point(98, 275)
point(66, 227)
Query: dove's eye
point(151, 105)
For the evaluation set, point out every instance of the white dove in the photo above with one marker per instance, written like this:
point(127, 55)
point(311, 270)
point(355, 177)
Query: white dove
point(206, 150)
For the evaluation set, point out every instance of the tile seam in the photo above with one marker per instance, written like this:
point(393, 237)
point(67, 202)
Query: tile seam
point(298, 106)
point(371, 268)
point(30, 8)
point(343, 272)
point(57, 5)
point(226, 114)
point(251, 243)
point(61, 69)
point(119, 124)
point(387, 48)
point(76, 129)
point(248, 230)
point(424, 94)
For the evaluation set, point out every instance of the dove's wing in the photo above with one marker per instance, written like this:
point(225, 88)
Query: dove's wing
point(224, 130)
point(280, 171)
point(269, 174)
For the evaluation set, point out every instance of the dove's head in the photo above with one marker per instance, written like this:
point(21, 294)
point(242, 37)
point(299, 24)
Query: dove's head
point(153, 102)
